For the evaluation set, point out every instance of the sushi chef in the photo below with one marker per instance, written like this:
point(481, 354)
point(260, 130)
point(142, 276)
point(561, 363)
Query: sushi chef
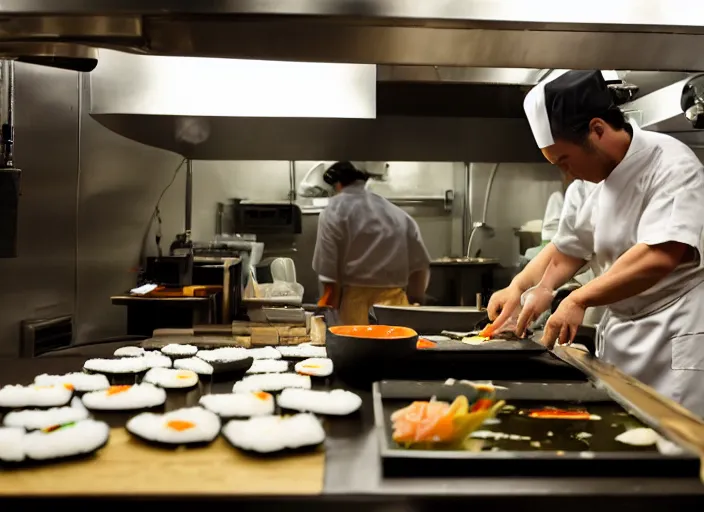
point(643, 224)
point(368, 251)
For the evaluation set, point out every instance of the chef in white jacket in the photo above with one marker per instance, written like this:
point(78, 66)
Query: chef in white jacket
point(643, 224)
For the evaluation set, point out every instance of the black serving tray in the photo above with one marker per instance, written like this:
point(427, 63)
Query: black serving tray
point(603, 457)
point(527, 345)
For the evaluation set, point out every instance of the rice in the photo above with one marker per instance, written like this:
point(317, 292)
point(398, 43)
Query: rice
point(264, 353)
point(11, 444)
point(315, 367)
point(302, 351)
point(268, 366)
point(116, 366)
point(129, 352)
point(182, 426)
point(230, 405)
point(271, 382)
point(157, 360)
point(35, 396)
point(223, 355)
point(38, 419)
point(80, 381)
point(267, 434)
point(78, 438)
point(116, 398)
point(177, 350)
point(337, 402)
point(195, 365)
point(170, 378)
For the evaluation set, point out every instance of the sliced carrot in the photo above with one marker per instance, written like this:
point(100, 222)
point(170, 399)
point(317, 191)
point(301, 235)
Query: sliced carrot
point(114, 390)
point(180, 425)
point(423, 343)
point(487, 332)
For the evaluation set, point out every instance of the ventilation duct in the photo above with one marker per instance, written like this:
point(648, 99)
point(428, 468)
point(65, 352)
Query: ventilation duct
point(535, 34)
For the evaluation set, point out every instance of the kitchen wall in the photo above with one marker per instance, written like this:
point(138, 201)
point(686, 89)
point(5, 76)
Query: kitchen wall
point(40, 282)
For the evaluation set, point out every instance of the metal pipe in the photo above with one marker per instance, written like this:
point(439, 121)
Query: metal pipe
point(8, 127)
point(189, 198)
point(482, 224)
point(292, 180)
point(466, 209)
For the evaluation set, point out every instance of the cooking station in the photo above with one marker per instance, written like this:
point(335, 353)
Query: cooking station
point(347, 472)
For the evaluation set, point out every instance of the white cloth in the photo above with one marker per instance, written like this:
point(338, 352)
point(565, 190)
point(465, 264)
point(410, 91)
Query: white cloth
point(655, 195)
point(364, 240)
point(553, 212)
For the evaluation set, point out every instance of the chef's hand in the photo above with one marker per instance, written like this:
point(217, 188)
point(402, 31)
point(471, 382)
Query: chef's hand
point(502, 304)
point(534, 302)
point(563, 323)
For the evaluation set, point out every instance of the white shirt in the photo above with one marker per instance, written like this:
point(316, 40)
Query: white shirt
point(364, 240)
point(655, 195)
point(553, 212)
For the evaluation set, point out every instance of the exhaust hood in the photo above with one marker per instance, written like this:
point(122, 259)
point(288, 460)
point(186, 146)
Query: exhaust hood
point(225, 109)
point(535, 34)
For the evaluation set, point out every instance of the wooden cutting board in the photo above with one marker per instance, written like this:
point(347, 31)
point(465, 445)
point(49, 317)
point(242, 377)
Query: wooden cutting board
point(127, 466)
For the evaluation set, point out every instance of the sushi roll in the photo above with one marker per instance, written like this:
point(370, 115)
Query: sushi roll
point(175, 350)
point(239, 405)
point(269, 434)
point(229, 363)
point(81, 382)
point(11, 444)
point(154, 359)
point(194, 364)
point(120, 366)
point(302, 351)
point(264, 353)
point(129, 352)
point(69, 440)
point(271, 382)
point(34, 419)
point(315, 367)
point(125, 398)
point(15, 397)
point(171, 379)
point(337, 402)
point(192, 425)
point(223, 355)
point(268, 366)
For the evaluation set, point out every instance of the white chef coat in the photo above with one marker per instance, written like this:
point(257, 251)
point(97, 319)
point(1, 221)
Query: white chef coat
point(655, 195)
point(575, 198)
point(365, 240)
point(551, 219)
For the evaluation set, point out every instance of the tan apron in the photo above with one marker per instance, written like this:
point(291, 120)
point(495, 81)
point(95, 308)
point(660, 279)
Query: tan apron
point(356, 301)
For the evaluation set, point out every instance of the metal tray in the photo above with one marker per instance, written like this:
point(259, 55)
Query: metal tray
point(519, 458)
point(516, 346)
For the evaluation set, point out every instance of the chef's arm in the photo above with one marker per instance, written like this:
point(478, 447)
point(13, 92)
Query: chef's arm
point(417, 284)
point(639, 268)
point(560, 269)
point(534, 270)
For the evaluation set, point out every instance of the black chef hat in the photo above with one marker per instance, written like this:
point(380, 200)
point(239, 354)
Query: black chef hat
point(565, 104)
point(344, 173)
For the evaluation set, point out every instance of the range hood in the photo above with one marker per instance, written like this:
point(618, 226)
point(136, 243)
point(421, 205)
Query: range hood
point(535, 34)
point(226, 109)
